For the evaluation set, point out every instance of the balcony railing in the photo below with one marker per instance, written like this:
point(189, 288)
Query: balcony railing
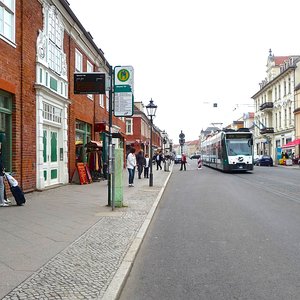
point(267, 106)
point(266, 130)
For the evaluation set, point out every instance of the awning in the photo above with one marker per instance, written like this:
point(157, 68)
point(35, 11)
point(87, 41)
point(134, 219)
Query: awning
point(291, 144)
point(94, 144)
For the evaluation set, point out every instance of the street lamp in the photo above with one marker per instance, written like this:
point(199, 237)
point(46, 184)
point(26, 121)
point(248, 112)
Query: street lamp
point(151, 110)
point(181, 140)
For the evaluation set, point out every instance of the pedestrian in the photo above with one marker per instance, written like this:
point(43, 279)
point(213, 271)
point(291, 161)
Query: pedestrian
point(131, 164)
point(140, 162)
point(158, 160)
point(183, 162)
point(3, 202)
point(146, 166)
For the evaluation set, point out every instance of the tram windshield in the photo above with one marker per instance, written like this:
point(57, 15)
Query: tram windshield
point(239, 147)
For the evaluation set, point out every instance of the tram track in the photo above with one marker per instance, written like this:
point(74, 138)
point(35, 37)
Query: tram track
point(274, 188)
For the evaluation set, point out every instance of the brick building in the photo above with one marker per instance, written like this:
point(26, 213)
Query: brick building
point(44, 126)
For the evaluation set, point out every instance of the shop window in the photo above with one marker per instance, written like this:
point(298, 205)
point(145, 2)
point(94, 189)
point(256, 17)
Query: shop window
point(6, 129)
point(83, 136)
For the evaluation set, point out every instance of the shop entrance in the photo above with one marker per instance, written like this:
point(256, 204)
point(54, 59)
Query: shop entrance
point(50, 155)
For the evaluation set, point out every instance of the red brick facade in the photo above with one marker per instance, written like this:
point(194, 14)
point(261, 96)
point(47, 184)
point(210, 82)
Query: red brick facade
point(18, 77)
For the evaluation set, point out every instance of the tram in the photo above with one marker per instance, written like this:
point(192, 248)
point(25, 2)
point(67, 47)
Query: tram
point(229, 150)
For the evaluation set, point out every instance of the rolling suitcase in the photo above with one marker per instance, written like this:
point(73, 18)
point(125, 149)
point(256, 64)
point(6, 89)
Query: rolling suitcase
point(15, 190)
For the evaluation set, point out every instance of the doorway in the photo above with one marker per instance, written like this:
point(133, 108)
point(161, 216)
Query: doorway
point(50, 155)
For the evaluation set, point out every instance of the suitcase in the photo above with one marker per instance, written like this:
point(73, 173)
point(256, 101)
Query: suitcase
point(17, 193)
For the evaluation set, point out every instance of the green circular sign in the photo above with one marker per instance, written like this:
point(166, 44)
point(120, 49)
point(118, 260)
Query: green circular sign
point(123, 75)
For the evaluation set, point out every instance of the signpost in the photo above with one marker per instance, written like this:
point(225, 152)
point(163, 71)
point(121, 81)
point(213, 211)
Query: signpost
point(123, 90)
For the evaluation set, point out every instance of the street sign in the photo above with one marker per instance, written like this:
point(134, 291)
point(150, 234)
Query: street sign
point(123, 75)
point(123, 91)
point(89, 83)
point(123, 104)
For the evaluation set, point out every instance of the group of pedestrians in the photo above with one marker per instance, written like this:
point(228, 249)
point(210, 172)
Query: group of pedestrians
point(139, 161)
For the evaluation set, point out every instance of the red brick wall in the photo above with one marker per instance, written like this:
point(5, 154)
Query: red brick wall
point(17, 76)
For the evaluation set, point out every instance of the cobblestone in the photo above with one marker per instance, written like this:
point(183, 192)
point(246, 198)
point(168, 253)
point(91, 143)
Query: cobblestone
point(85, 268)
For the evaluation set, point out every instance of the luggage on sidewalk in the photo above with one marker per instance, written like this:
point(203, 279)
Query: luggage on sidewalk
point(15, 190)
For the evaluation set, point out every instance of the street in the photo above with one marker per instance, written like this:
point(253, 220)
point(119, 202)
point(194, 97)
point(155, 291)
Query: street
point(222, 236)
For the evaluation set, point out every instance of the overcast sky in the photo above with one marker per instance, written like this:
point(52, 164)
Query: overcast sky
point(190, 54)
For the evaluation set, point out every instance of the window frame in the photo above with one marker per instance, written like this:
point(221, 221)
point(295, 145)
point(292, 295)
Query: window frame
point(78, 61)
point(11, 11)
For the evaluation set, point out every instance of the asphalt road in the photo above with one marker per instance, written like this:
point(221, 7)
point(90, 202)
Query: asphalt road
point(222, 236)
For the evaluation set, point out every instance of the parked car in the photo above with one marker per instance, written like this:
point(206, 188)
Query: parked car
point(256, 158)
point(195, 156)
point(177, 159)
point(265, 160)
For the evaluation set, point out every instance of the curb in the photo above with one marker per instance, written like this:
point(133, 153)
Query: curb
point(116, 285)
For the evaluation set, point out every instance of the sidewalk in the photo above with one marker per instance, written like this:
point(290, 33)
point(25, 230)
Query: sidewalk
point(66, 243)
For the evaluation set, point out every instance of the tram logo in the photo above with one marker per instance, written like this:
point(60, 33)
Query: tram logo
point(240, 158)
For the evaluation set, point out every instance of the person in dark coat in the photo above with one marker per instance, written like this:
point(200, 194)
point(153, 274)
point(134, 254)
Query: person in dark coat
point(140, 161)
point(158, 160)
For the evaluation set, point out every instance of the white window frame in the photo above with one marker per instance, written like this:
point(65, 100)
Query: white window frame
point(78, 61)
point(90, 69)
point(8, 20)
point(107, 101)
point(101, 100)
point(129, 126)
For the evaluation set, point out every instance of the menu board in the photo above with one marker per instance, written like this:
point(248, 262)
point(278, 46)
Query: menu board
point(83, 178)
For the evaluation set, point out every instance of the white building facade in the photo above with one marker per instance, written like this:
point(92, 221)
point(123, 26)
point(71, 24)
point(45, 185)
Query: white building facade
point(275, 105)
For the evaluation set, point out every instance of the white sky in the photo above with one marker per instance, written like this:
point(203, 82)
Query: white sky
point(185, 53)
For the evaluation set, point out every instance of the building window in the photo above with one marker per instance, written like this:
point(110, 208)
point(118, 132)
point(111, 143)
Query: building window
point(107, 101)
point(279, 91)
point(52, 113)
point(78, 61)
point(290, 116)
point(284, 88)
point(6, 129)
point(279, 119)
point(276, 122)
point(285, 117)
point(289, 86)
point(7, 19)
point(101, 100)
point(82, 137)
point(129, 126)
point(275, 93)
point(55, 43)
point(90, 69)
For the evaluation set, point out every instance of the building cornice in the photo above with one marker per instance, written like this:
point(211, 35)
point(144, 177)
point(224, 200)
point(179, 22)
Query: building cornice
point(273, 81)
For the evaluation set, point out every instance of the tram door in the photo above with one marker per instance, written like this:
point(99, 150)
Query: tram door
point(50, 155)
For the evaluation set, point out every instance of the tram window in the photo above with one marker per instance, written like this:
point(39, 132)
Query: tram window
point(238, 147)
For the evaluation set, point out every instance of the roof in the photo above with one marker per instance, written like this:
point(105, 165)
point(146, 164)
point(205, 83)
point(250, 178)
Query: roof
point(280, 60)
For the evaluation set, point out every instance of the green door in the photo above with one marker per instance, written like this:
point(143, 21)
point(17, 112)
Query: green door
point(50, 155)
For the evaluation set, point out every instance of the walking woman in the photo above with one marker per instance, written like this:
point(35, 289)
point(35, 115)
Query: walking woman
point(131, 164)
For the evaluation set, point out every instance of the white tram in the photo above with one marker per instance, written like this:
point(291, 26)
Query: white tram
point(229, 150)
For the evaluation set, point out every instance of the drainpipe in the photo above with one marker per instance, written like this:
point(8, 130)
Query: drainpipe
point(21, 87)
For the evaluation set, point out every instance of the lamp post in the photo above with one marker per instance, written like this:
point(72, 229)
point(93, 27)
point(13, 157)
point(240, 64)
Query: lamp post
point(151, 110)
point(181, 140)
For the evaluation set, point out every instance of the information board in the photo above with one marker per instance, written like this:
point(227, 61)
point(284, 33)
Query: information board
point(123, 104)
point(89, 83)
